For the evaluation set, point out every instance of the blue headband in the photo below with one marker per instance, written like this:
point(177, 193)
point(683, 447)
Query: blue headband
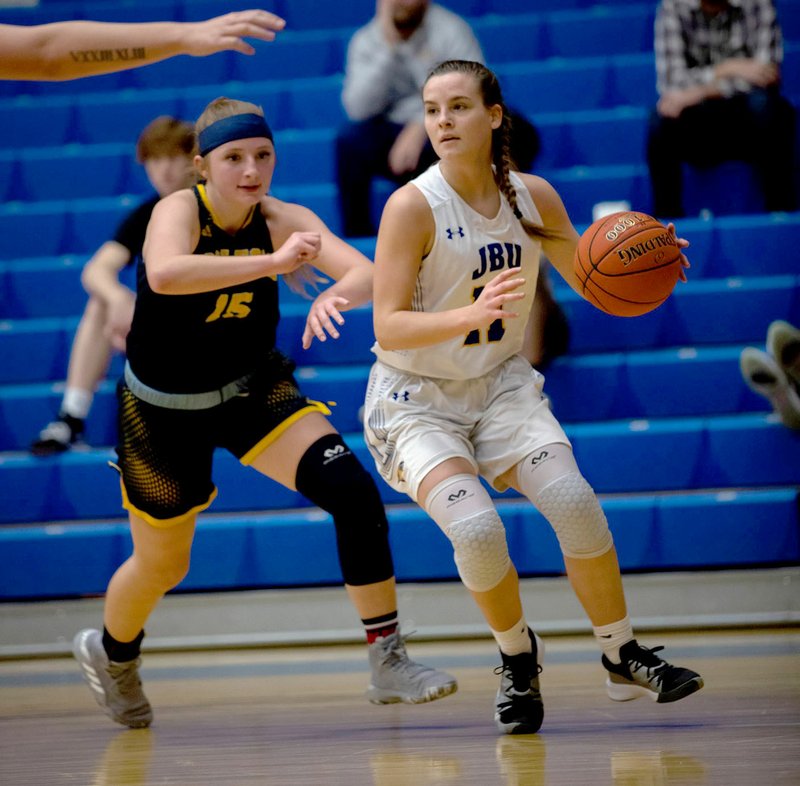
point(230, 128)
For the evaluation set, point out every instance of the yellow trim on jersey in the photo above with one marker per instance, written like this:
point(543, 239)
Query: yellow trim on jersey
point(151, 520)
point(201, 189)
point(265, 442)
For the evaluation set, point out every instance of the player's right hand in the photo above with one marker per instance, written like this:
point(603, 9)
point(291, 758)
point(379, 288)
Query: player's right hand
point(301, 247)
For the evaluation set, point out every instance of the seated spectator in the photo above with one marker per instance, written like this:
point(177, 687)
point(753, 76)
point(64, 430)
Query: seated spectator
point(165, 150)
point(718, 79)
point(387, 62)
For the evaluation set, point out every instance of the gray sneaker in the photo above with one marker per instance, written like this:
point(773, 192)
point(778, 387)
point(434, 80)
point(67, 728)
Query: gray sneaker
point(763, 375)
point(115, 686)
point(783, 343)
point(396, 678)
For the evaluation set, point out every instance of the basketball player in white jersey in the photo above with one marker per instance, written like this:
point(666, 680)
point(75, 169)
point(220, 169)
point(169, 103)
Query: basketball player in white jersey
point(450, 399)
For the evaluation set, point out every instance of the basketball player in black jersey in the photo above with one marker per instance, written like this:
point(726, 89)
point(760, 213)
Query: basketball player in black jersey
point(203, 372)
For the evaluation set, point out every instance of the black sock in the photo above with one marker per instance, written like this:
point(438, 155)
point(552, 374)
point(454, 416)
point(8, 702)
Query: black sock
point(122, 651)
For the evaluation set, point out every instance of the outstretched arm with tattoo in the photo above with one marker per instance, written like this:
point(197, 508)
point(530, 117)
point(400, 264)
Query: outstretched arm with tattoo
point(70, 50)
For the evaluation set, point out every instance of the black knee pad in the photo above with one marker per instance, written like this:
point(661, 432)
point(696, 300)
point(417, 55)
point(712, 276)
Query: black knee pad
point(331, 477)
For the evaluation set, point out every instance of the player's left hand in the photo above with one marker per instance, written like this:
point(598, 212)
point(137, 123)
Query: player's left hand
point(229, 31)
point(682, 243)
point(324, 315)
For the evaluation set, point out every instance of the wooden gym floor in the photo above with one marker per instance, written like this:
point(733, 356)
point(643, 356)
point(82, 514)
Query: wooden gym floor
point(298, 716)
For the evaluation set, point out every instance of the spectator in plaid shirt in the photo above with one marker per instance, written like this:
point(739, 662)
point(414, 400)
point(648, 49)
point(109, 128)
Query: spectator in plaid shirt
point(718, 68)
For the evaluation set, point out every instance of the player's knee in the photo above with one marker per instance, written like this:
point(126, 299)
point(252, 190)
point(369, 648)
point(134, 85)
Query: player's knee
point(463, 509)
point(573, 510)
point(331, 477)
point(480, 550)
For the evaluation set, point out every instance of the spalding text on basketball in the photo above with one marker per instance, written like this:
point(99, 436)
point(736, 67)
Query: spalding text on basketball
point(632, 253)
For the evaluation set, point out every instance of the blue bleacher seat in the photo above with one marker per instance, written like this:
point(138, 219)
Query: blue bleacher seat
point(93, 221)
point(587, 32)
point(632, 80)
point(184, 70)
point(74, 172)
point(34, 124)
point(313, 15)
point(758, 529)
point(756, 245)
point(32, 230)
point(314, 103)
point(581, 187)
point(31, 351)
point(312, 53)
point(506, 39)
point(112, 118)
point(132, 11)
point(304, 157)
point(595, 138)
point(554, 85)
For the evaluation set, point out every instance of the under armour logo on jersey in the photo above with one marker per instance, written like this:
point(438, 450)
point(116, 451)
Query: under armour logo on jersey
point(400, 396)
point(206, 231)
point(540, 458)
point(451, 233)
point(455, 497)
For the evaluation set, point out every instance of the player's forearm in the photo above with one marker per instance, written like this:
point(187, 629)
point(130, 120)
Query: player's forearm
point(69, 50)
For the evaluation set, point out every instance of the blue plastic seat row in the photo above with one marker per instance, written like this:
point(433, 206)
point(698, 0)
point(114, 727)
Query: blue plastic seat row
point(53, 228)
point(109, 170)
point(680, 454)
point(624, 385)
point(112, 113)
point(652, 533)
point(700, 313)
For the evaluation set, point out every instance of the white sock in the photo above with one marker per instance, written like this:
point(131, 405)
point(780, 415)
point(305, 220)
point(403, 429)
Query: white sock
point(77, 403)
point(612, 637)
point(515, 640)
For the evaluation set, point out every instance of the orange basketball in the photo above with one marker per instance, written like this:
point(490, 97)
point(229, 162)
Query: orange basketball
point(627, 263)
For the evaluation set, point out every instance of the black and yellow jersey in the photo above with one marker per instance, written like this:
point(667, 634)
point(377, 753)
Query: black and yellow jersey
point(200, 342)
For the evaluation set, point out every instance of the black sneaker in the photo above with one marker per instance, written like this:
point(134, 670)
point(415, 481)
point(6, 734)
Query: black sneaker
point(643, 673)
point(59, 436)
point(519, 708)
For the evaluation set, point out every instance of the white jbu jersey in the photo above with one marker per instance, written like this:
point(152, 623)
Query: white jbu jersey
point(468, 251)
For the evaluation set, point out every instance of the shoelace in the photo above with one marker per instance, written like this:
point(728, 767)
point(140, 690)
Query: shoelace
point(654, 666)
point(506, 669)
point(396, 657)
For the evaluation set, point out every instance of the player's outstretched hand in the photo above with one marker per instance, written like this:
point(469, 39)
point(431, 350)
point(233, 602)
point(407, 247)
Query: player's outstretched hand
point(324, 315)
point(230, 30)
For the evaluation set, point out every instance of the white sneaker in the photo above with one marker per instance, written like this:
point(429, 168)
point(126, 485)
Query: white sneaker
point(764, 376)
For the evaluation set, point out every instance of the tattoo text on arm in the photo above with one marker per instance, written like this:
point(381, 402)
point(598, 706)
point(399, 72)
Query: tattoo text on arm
point(108, 55)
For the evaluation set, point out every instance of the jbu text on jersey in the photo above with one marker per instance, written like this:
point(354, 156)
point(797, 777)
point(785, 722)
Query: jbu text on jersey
point(496, 257)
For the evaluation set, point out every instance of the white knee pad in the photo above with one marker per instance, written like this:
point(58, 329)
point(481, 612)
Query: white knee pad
point(463, 509)
point(550, 479)
point(571, 506)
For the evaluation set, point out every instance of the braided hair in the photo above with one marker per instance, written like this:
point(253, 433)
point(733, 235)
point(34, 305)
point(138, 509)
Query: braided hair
point(502, 160)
